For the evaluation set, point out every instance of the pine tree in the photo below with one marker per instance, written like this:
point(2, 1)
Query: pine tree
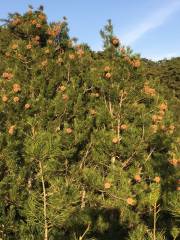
point(88, 149)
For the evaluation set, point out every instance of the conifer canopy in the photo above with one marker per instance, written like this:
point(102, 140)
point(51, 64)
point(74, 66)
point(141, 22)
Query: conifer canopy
point(88, 148)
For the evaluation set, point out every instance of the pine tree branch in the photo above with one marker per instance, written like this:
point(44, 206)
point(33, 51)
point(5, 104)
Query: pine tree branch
point(154, 223)
point(85, 156)
point(87, 229)
point(112, 195)
point(83, 198)
point(155, 212)
point(44, 202)
point(68, 74)
point(127, 162)
point(149, 155)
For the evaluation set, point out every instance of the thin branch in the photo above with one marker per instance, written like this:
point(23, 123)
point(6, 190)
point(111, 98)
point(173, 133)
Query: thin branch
point(44, 202)
point(87, 229)
point(83, 199)
point(118, 128)
point(85, 156)
point(68, 75)
point(155, 212)
point(110, 109)
point(87, 90)
point(112, 195)
point(126, 163)
point(151, 152)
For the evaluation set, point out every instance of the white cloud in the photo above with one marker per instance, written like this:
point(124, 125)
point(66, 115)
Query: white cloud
point(155, 20)
point(163, 56)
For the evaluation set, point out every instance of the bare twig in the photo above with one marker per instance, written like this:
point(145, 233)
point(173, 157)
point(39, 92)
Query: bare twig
point(112, 195)
point(110, 109)
point(118, 128)
point(44, 202)
point(68, 75)
point(155, 212)
point(85, 156)
point(83, 198)
point(87, 229)
point(149, 155)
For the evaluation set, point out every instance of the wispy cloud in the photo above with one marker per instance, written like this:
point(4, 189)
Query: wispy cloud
point(155, 20)
point(163, 56)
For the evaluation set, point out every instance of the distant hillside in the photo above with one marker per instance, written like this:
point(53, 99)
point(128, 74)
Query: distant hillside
point(167, 70)
point(169, 73)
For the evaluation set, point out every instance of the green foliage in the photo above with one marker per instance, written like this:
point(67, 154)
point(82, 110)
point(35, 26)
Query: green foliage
point(88, 146)
point(168, 71)
point(107, 34)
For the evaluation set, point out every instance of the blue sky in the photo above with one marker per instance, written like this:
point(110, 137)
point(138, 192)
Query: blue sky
point(150, 27)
